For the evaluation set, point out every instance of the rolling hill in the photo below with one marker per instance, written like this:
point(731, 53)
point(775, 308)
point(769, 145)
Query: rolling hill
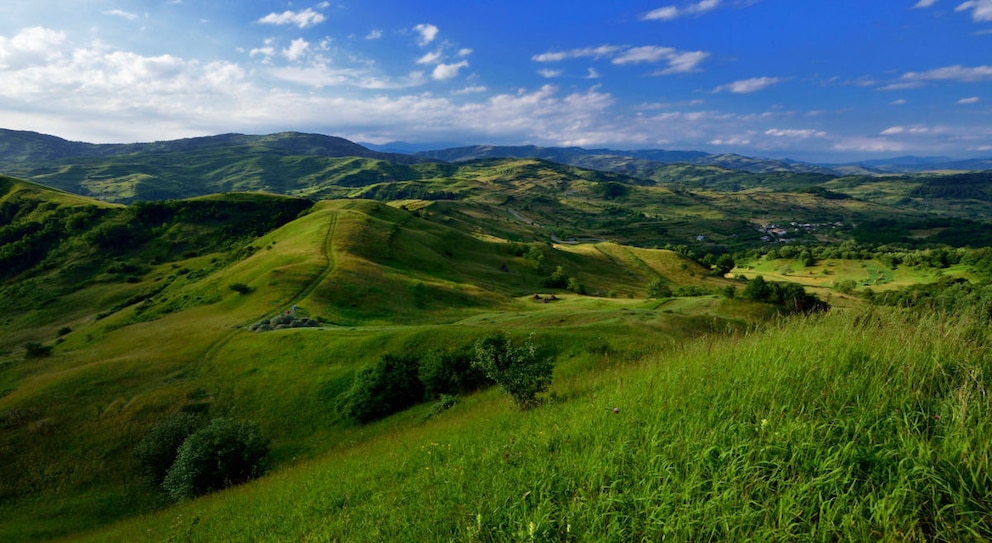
point(272, 307)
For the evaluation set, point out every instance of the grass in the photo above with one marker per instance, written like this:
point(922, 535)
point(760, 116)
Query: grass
point(853, 426)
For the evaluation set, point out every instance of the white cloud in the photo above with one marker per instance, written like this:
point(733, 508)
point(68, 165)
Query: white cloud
point(448, 71)
point(430, 58)
point(981, 10)
point(296, 49)
point(36, 45)
point(373, 35)
point(951, 73)
point(464, 52)
point(746, 86)
point(427, 32)
point(649, 54)
point(899, 102)
point(678, 61)
point(668, 13)
point(795, 134)
point(593, 74)
point(586, 52)
point(302, 19)
point(470, 90)
point(970, 100)
point(549, 74)
point(120, 13)
point(914, 130)
point(924, 4)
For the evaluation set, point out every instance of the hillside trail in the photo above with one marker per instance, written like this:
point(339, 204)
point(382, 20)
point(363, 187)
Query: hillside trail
point(327, 250)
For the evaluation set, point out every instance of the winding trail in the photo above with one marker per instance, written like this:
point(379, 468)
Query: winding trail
point(327, 250)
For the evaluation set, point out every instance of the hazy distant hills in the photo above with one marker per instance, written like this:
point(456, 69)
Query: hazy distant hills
point(23, 146)
point(637, 162)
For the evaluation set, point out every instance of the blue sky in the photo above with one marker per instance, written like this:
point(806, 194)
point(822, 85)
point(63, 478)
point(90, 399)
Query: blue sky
point(822, 80)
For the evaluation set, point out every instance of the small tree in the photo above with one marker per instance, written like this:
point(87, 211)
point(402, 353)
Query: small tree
point(224, 454)
point(156, 452)
point(519, 370)
point(388, 387)
point(658, 289)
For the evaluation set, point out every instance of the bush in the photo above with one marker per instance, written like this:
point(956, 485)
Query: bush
point(383, 389)
point(156, 452)
point(449, 372)
point(658, 289)
point(224, 454)
point(33, 349)
point(520, 371)
point(240, 288)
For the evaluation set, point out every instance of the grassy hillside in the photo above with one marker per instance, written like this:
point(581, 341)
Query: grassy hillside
point(855, 426)
point(139, 313)
point(116, 319)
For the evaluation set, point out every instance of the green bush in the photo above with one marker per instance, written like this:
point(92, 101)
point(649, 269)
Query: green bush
point(383, 389)
point(33, 349)
point(156, 452)
point(658, 289)
point(449, 372)
point(519, 370)
point(223, 454)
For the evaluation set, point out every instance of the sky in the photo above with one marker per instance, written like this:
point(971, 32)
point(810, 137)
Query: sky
point(815, 80)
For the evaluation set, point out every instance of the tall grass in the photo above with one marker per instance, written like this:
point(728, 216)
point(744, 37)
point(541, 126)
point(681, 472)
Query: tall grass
point(852, 426)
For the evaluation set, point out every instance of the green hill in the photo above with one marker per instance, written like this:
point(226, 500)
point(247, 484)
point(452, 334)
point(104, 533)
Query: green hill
point(680, 407)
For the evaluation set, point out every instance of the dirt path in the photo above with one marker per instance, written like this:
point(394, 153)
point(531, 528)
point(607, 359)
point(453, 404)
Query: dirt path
point(327, 249)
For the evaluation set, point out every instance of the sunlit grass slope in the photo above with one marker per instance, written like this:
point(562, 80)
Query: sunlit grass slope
point(854, 426)
point(148, 325)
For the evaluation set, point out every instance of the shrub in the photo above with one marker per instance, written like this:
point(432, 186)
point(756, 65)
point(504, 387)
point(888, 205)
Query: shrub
point(33, 349)
point(658, 289)
point(519, 370)
point(240, 288)
point(449, 372)
point(389, 386)
point(156, 452)
point(223, 454)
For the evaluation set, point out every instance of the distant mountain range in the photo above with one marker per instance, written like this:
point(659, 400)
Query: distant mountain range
point(19, 147)
point(23, 146)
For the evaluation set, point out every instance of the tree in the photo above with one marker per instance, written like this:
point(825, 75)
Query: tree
point(388, 387)
point(156, 452)
point(223, 454)
point(758, 290)
point(658, 289)
point(725, 263)
point(519, 370)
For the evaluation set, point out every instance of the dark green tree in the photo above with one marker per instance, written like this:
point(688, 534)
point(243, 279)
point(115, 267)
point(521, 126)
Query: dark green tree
point(223, 454)
point(520, 370)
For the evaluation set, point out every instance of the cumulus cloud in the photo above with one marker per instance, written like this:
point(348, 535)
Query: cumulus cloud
point(302, 19)
point(549, 74)
point(448, 71)
point(669, 13)
point(430, 58)
point(747, 86)
point(427, 33)
point(981, 10)
point(296, 49)
point(970, 100)
point(373, 35)
point(678, 61)
point(36, 45)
